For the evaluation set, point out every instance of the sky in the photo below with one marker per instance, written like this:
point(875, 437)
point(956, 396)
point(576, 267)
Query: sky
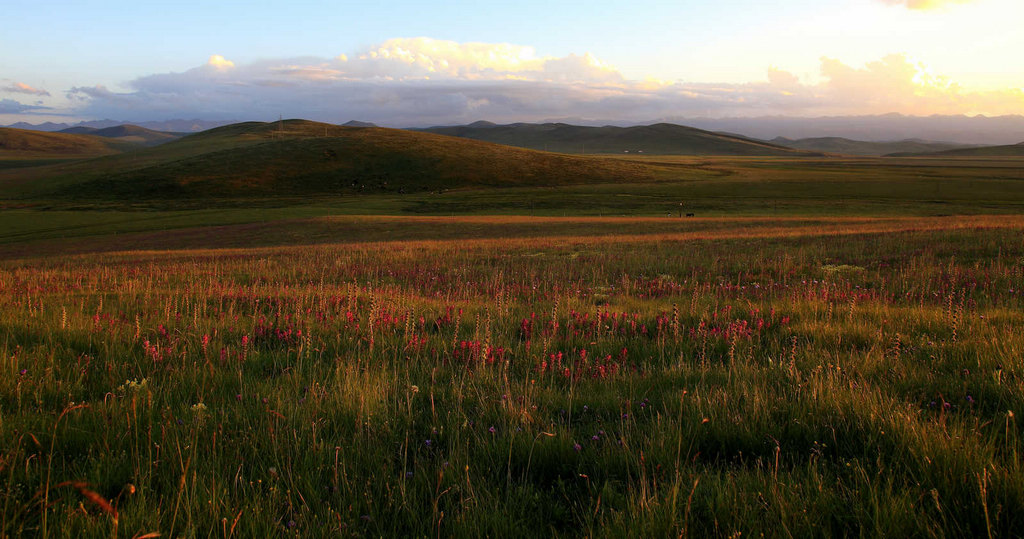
point(408, 63)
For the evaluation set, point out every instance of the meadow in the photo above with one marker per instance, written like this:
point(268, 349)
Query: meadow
point(518, 376)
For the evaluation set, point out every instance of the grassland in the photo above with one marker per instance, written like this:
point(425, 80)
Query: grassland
point(538, 376)
point(24, 144)
point(656, 139)
point(199, 339)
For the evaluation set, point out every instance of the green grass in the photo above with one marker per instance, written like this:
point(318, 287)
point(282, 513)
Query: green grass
point(303, 159)
point(657, 139)
point(706, 187)
point(816, 353)
point(22, 144)
point(803, 379)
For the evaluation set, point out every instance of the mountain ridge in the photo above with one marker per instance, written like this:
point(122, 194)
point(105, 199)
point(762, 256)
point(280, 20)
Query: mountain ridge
point(660, 139)
point(299, 158)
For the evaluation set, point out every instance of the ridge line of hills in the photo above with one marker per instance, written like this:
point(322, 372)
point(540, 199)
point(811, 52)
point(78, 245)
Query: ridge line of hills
point(656, 139)
point(302, 158)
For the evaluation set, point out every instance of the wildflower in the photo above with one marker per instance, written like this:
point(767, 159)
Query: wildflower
point(408, 475)
point(198, 408)
point(595, 438)
point(23, 372)
point(133, 386)
point(428, 442)
point(492, 430)
point(577, 447)
point(970, 400)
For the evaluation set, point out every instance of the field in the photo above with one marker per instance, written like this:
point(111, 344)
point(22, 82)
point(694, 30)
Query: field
point(507, 376)
point(304, 330)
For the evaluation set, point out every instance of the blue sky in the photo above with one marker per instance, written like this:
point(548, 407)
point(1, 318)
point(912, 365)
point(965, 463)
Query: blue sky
point(85, 58)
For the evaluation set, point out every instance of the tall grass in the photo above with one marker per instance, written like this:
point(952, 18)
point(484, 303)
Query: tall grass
point(855, 385)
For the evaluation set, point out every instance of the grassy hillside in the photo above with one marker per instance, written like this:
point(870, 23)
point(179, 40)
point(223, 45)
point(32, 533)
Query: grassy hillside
point(866, 148)
point(661, 139)
point(136, 134)
point(27, 144)
point(1010, 150)
point(298, 158)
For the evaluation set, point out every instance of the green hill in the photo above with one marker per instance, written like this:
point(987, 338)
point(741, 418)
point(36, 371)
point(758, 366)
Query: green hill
point(658, 139)
point(859, 147)
point(1011, 150)
point(126, 133)
point(298, 158)
point(28, 144)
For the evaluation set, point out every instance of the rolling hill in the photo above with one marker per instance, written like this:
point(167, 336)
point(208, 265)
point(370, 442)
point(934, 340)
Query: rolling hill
point(659, 139)
point(126, 133)
point(859, 147)
point(1010, 150)
point(27, 144)
point(298, 158)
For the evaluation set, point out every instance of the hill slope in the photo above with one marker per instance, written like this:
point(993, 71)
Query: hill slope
point(23, 143)
point(658, 139)
point(860, 147)
point(135, 134)
point(1010, 150)
point(298, 158)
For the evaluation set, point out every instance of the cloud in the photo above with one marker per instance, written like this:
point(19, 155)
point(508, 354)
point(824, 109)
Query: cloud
point(924, 4)
point(22, 88)
point(895, 83)
point(421, 81)
point(10, 106)
point(219, 62)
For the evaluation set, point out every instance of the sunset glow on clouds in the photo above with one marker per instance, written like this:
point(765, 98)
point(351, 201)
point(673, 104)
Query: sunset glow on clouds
point(22, 88)
point(422, 81)
point(536, 60)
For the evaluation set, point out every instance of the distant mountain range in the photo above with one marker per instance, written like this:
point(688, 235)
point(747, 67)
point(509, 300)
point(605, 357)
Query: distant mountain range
point(956, 129)
point(874, 149)
point(1009, 150)
point(967, 130)
point(658, 139)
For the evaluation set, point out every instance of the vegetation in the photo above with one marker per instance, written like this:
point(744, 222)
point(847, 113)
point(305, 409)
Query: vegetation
point(293, 329)
point(784, 378)
point(126, 133)
point(659, 139)
point(19, 144)
point(301, 158)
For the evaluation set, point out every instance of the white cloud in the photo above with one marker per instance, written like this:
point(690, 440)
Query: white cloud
point(420, 81)
point(22, 88)
point(217, 61)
